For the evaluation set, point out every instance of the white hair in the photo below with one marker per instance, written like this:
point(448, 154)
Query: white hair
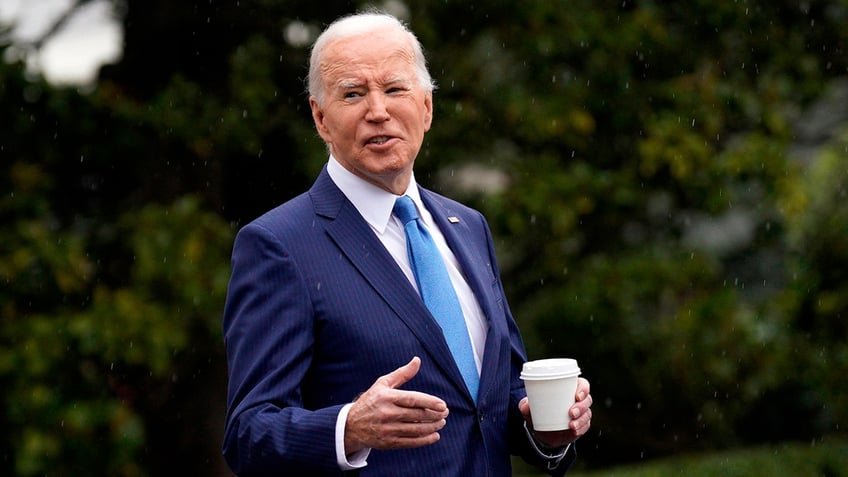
point(358, 24)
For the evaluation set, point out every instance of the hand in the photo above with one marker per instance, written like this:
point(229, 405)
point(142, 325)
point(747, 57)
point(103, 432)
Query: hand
point(581, 417)
point(385, 417)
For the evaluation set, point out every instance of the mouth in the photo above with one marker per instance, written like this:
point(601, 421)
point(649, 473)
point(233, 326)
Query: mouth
point(379, 140)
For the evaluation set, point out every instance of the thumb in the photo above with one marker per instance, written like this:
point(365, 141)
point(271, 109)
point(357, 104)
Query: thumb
point(403, 374)
point(524, 407)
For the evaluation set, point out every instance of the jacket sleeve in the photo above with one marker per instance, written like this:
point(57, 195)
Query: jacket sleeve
point(268, 334)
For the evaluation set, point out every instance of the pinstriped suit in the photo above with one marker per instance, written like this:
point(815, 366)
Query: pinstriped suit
point(317, 310)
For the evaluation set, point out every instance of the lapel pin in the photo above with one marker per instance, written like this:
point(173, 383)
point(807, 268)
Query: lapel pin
point(453, 220)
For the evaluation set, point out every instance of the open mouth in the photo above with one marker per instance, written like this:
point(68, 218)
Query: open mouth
point(379, 140)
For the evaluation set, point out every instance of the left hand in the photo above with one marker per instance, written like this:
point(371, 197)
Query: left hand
point(581, 418)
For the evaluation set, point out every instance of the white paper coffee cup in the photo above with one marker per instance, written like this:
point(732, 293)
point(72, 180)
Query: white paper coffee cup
point(551, 385)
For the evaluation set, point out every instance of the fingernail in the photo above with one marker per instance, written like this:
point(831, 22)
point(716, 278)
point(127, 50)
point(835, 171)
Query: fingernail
point(575, 413)
point(581, 395)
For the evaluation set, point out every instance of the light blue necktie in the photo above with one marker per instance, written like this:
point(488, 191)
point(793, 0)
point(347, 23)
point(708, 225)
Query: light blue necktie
point(437, 290)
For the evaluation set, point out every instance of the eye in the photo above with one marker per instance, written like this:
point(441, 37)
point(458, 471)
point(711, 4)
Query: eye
point(352, 95)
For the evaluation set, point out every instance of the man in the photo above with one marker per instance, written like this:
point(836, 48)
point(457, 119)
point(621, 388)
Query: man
point(336, 363)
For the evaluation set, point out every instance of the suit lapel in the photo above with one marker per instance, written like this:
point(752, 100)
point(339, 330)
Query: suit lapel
point(358, 243)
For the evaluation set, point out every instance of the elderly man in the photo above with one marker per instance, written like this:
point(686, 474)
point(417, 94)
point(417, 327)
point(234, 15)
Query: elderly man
point(366, 326)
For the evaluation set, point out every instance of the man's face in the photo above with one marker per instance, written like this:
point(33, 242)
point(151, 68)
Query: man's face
point(375, 112)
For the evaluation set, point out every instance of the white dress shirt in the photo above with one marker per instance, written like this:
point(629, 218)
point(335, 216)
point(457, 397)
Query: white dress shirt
point(375, 205)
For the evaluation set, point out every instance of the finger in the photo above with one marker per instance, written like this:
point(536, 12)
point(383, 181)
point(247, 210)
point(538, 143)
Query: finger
point(413, 429)
point(421, 401)
point(406, 435)
point(581, 426)
point(400, 376)
point(581, 407)
point(406, 442)
point(582, 389)
point(524, 408)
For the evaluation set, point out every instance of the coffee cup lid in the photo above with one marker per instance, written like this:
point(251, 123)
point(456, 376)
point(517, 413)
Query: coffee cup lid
point(550, 368)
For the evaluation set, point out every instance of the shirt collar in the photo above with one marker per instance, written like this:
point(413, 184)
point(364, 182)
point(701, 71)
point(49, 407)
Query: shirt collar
point(373, 203)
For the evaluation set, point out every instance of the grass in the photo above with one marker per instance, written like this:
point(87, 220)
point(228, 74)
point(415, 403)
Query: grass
point(827, 458)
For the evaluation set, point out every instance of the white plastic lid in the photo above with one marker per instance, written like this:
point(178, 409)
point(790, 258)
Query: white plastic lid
point(550, 369)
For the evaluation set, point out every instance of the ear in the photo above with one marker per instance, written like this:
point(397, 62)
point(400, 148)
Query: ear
point(318, 118)
point(428, 110)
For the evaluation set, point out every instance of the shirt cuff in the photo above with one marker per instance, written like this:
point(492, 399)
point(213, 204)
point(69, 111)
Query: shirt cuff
point(352, 461)
point(552, 459)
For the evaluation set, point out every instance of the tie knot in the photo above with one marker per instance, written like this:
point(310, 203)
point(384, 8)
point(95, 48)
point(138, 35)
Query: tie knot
point(405, 210)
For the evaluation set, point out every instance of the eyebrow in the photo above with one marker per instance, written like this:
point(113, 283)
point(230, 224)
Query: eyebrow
point(349, 84)
point(353, 84)
point(397, 79)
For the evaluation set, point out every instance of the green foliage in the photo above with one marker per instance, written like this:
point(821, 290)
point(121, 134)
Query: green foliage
point(82, 361)
point(647, 225)
point(79, 376)
point(650, 216)
point(817, 300)
point(825, 458)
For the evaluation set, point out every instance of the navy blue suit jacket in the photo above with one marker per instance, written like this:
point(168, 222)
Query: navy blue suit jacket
point(317, 310)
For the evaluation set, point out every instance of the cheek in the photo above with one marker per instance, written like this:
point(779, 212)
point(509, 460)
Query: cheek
point(333, 131)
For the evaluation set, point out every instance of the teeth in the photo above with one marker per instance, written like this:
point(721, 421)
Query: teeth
point(379, 140)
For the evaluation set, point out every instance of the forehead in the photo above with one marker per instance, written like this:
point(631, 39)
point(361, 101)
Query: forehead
point(377, 55)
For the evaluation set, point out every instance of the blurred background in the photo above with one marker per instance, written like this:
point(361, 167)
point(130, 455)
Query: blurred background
point(666, 183)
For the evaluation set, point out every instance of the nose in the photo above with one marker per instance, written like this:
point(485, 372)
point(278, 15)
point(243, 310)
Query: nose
point(377, 111)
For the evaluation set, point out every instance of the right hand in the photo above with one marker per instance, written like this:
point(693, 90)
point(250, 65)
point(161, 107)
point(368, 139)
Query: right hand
point(385, 417)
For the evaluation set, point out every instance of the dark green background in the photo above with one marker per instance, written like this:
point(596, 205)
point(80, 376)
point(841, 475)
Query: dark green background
point(666, 183)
